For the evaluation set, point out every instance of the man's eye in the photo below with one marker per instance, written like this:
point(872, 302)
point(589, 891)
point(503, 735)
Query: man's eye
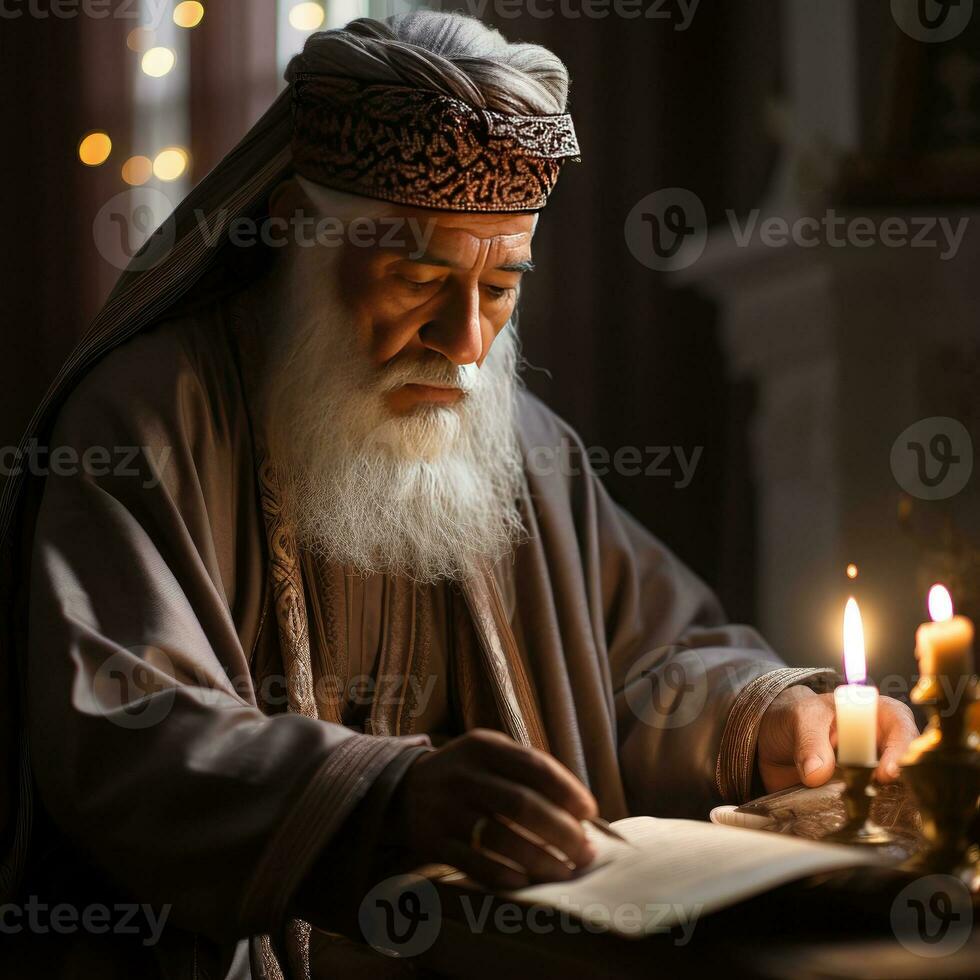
point(416, 283)
point(497, 292)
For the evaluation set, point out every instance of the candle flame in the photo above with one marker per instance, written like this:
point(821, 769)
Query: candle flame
point(855, 664)
point(940, 603)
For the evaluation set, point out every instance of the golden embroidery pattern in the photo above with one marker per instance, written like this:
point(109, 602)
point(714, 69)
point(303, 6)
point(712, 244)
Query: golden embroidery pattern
point(421, 148)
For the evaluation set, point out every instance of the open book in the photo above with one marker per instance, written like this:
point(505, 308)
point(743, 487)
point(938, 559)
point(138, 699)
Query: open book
point(673, 871)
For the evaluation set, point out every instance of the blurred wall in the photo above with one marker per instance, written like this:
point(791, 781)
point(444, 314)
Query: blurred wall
point(629, 358)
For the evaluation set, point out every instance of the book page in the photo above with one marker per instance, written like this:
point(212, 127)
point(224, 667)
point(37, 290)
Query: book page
point(677, 870)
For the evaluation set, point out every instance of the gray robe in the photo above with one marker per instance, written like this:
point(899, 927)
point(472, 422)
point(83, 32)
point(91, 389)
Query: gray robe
point(161, 779)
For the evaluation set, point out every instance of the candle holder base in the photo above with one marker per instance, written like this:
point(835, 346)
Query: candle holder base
point(948, 861)
point(942, 772)
point(859, 828)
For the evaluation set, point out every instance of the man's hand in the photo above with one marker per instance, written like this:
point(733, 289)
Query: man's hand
point(799, 733)
point(529, 803)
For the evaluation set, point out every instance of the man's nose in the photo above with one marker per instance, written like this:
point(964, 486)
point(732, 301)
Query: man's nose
point(455, 332)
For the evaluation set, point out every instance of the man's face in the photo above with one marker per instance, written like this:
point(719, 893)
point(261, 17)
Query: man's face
point(392, 420)
point(452, 297)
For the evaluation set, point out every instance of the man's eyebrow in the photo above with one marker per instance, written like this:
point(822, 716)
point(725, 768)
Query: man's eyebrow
point(431, 260)
point(525, 266)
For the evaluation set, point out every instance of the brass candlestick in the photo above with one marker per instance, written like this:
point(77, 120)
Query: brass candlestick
point(859, 828)
point(942, 771)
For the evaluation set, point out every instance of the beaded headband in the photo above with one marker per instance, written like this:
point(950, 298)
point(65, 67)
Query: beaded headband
point(420, 148)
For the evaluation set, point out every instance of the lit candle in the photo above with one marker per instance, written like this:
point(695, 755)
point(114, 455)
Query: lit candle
point(944, 646)
point(856, 701)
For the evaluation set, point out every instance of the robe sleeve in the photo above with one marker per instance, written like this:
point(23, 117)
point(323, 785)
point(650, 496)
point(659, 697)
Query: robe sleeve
point(148, 748)
point(688, 688)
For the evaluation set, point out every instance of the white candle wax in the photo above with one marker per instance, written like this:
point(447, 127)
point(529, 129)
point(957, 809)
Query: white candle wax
point(945, 647)
point(857, 724)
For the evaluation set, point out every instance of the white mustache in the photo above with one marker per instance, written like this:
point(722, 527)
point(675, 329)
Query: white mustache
point(463, 376)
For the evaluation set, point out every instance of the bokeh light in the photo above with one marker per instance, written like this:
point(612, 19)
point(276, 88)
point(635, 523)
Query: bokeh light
point(158, 61)
point(852, 570)
point(306, 16)
point(169, 164)
point(94, 149)
point(137, 170)
point(140, 39)
point(188, 13)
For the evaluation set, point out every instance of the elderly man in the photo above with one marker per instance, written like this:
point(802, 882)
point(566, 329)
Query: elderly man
point(330, 620)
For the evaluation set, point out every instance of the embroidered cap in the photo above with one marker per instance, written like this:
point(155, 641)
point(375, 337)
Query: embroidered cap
point(421, 148)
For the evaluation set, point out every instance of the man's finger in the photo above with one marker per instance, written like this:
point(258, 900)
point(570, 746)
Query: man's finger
point(896, 729)
point(541, 864)
point(813, 753)
point(542, 773)
point(482, 868)
point(529, 809)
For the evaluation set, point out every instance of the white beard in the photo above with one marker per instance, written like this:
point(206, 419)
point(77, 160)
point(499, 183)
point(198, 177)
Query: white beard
point(430, 495)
